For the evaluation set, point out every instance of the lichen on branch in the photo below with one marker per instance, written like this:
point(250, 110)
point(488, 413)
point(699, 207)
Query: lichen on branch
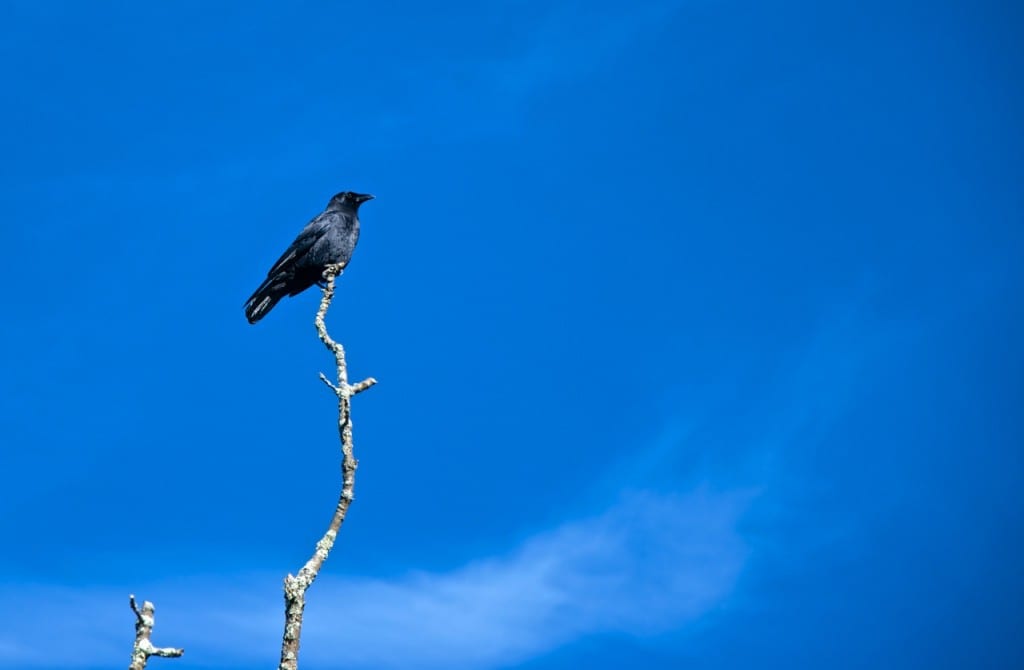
point(295, 586)
point(143, 647)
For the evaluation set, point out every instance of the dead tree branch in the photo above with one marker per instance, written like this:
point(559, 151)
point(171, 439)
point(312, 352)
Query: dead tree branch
point(143, 647)
point(295, 586)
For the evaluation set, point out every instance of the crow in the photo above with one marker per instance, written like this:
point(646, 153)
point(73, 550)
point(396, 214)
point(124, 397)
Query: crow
point(329, 239)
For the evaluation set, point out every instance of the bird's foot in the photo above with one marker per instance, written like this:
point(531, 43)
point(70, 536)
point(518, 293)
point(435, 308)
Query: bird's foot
point(331, 272)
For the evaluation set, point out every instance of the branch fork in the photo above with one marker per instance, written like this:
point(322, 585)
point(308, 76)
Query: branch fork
point(143, 647)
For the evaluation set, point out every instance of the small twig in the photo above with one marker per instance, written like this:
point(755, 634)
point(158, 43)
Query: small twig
point(329, 383)
point(295, 586)
point(143, 647)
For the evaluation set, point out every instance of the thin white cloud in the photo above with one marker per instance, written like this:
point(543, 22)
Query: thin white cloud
point(647, 565)
point(650, 563)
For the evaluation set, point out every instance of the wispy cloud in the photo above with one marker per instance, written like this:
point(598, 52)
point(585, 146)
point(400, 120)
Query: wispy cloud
point(648, 564)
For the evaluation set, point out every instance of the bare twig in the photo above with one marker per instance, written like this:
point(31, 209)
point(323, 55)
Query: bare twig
point(143, 647)
point(295, 586)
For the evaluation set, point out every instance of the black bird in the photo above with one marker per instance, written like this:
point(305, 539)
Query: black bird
point(329, 239)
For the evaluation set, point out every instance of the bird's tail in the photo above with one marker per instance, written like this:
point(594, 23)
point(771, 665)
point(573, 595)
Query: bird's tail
point(266, 296)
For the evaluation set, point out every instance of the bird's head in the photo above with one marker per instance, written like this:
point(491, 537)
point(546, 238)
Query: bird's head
point(349, 200)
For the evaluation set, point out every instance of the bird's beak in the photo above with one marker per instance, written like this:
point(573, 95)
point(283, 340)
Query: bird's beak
point(364, 197)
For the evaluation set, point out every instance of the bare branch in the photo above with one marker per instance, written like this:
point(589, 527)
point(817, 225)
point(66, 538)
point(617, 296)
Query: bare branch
point(295, 586)
point(143, 647)
point(135, 608)
point(363, 385)
point(329, 383)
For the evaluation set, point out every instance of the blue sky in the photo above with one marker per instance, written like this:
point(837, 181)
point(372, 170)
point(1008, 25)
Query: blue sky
point(697, 325)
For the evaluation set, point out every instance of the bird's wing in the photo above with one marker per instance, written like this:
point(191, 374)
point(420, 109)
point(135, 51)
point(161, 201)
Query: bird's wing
point(313, 231)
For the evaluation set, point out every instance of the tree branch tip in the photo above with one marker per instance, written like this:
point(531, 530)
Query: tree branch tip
point(329, 383)
point(169, 652)
point(363, 385)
